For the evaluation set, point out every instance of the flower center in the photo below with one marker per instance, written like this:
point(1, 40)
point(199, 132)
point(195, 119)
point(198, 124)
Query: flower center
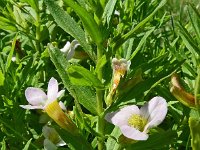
point(137, 121)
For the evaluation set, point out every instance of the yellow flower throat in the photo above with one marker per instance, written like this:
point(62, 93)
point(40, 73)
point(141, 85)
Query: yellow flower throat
point(137, 121)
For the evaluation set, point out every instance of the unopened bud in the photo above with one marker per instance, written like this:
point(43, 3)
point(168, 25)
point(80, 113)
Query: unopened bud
point(179, 92)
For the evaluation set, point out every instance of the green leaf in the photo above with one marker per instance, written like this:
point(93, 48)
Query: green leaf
point(9, 59)
point(84, 95)
point(88, 21)
point(74, 142)
point(111, 143)
point(141, 43)
point(195, 19)
point(188, 40)
point(33, 4)
point(78, 75)
point(108, 11)
point(101, 63)
point(2, 78)
point(131, 33)
point(7, 25)
point(27, 145)
point(155, 141)
point(3, 143)
point(68, 24)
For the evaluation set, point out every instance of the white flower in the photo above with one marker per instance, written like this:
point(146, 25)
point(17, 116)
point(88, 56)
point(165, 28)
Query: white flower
point(38, 99)
point(69, 48)
point(52, 138)
point(134, 123)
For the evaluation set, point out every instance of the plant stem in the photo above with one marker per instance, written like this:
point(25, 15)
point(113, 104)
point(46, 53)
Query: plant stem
point(99, 94)
point(197, 88)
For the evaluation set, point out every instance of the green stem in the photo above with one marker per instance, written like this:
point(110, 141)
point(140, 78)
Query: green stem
point(99, 94)
point(194, 124)
point(197, 89)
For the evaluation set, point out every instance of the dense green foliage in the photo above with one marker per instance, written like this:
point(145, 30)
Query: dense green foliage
point(159, 37)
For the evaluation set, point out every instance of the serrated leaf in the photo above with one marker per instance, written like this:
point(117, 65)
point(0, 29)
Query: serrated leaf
point(68, 24)
point(78, 75)
point(84, 95)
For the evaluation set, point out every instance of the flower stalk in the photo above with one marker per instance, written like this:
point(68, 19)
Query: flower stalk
point(99, 95)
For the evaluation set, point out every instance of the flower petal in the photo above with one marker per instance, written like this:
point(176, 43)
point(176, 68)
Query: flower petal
point(121, 117)
point(155, 111)
point(60, 93)
point(31, 107)
point(35, 96)
point(62, 106)
point(66, 48)
point(133, 133)
point(73, 46)
point(52, 90)
point(48, 145)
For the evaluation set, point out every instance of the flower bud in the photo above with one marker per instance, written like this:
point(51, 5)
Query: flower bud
point(178, 91)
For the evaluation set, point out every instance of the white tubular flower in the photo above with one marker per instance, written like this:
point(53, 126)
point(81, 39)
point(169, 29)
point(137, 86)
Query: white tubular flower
point(69, 48)
point(51, 135)
point(119, 69)
point(134, 123)
point(38, 99)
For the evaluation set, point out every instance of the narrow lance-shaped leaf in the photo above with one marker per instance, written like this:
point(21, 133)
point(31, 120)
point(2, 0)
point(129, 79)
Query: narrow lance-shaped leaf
point(33, 3)
point(84, 95)
point(88, 21)
point(2, 78)
point(142, 41)
point(195, 19)
point(188, 40)
point(9, 59)
point(64, 20)
point(7, 25)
